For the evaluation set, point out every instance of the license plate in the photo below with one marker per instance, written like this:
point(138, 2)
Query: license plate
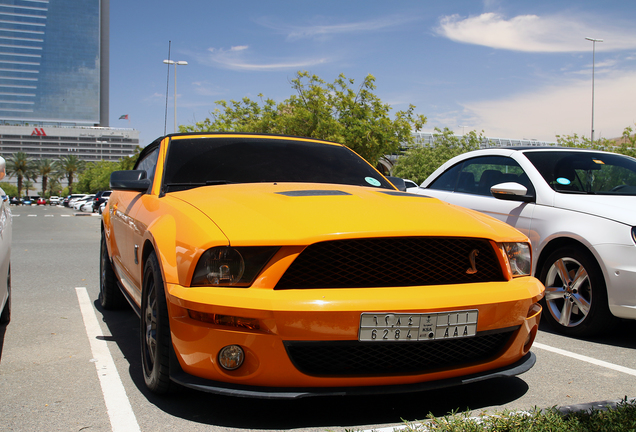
point(399, 327)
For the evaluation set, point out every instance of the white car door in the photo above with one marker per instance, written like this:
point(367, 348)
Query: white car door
point(468, 185)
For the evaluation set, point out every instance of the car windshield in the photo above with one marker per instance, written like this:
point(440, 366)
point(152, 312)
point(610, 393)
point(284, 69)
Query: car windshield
point(195, 162)
point(586, 172)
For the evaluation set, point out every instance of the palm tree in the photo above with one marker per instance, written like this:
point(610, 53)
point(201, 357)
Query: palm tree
point(20, 166)
point(44, 168)
point(69, 166)
point(54, 184)
point(28, 185)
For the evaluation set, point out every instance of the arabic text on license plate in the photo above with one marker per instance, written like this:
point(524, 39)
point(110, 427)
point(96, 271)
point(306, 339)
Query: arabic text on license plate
point(378, 327)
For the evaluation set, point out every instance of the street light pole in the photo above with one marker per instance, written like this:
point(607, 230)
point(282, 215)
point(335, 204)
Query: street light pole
point(175, 63)
point(593, 63)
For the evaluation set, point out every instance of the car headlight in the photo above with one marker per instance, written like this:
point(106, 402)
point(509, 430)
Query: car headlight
point(231, 266)
point(519, 258)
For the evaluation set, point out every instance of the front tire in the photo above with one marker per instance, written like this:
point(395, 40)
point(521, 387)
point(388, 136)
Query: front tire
point(155, 329)
point(110, 297)
point(575, 302)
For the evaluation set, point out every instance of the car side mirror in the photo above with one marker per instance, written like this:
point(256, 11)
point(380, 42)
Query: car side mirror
point(398, 183)
point(511, 191)
point(129, 180)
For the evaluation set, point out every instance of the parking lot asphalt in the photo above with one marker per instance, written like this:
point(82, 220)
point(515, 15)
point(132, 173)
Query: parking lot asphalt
point(50, 377)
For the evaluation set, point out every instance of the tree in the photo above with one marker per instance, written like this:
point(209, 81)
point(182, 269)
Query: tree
point(330, 111)
point(69, 166)
point(421, 160)
point(54, 184)
point(44, 168)
point(20, 166)
point(28, 185)
point(128, 162)
point(625, 145)
point(9, 189)
point(96, 176)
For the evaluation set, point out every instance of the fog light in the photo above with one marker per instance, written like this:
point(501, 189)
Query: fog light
point(231, 357)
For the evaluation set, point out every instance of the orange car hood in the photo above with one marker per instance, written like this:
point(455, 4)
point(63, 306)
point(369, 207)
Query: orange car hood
point(296, 214)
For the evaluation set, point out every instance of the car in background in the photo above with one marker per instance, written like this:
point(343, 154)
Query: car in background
point(15, 201)
point(41, 201)
point(27, 201)
point(578, 209)
point(5, 252)
point(409, 184)
point(68, 201)
point(100, 197)
point(79, 202)
point(54, 200)
point(271, 266)
point(87, 206)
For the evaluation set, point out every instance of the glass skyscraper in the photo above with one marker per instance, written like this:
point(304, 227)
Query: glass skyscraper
point(50, 61)
point(54, 57)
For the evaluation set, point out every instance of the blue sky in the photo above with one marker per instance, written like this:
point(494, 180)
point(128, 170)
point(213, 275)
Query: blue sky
point(512, 69)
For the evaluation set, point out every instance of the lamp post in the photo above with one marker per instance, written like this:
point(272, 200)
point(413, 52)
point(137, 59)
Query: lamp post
point(593, 62)
point(175, 63)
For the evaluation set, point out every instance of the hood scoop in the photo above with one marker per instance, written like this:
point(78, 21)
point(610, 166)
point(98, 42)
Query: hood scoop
point(312, 193)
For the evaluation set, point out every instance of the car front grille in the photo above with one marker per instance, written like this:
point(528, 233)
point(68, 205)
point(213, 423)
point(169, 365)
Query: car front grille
point(393, 261)
point(351, 358)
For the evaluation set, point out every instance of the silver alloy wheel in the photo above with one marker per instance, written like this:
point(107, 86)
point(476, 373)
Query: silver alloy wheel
point(568, 292)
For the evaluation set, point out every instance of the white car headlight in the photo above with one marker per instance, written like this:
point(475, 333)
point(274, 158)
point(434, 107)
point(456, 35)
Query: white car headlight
point(519, 256)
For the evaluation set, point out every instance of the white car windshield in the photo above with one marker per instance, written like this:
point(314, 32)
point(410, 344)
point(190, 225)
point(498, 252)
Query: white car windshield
point(571, 171)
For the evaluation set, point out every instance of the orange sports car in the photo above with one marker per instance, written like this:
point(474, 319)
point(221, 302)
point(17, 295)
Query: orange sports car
point(283, 267)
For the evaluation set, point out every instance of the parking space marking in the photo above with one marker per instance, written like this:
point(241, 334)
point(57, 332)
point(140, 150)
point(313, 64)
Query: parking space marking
point(122, 417)
point(585, 359)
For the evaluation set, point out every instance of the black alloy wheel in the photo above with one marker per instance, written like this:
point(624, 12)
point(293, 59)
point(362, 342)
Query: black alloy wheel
point(155, 329)
point(110, 297)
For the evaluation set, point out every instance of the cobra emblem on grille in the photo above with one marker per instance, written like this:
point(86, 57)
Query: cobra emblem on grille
point(473, 264)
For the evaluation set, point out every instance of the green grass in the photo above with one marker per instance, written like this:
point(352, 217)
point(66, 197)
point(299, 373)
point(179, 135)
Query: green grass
point(621, 418)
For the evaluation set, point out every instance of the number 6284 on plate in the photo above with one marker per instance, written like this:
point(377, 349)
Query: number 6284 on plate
point(386, 327)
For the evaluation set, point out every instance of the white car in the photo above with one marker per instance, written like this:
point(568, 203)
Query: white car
point(5, 252)
point(54, 200)
point(86, 206)
point(578, 207)
point(74, 198)
point(78, 203)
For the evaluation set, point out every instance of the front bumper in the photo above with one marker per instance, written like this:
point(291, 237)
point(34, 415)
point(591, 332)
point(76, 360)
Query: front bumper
point(180, 377)
point(315, 317)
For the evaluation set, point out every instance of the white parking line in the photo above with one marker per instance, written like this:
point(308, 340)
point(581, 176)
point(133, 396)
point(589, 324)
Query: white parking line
point(122, 417)
point(585, 359)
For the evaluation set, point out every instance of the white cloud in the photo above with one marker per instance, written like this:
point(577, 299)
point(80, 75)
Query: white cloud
point(238, 58)
point(562, 109)
point(323, 30)
point(533, 33)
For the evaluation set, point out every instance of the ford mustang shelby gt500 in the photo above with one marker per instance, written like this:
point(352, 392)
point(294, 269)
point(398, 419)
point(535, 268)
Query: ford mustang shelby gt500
point(283, 267)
